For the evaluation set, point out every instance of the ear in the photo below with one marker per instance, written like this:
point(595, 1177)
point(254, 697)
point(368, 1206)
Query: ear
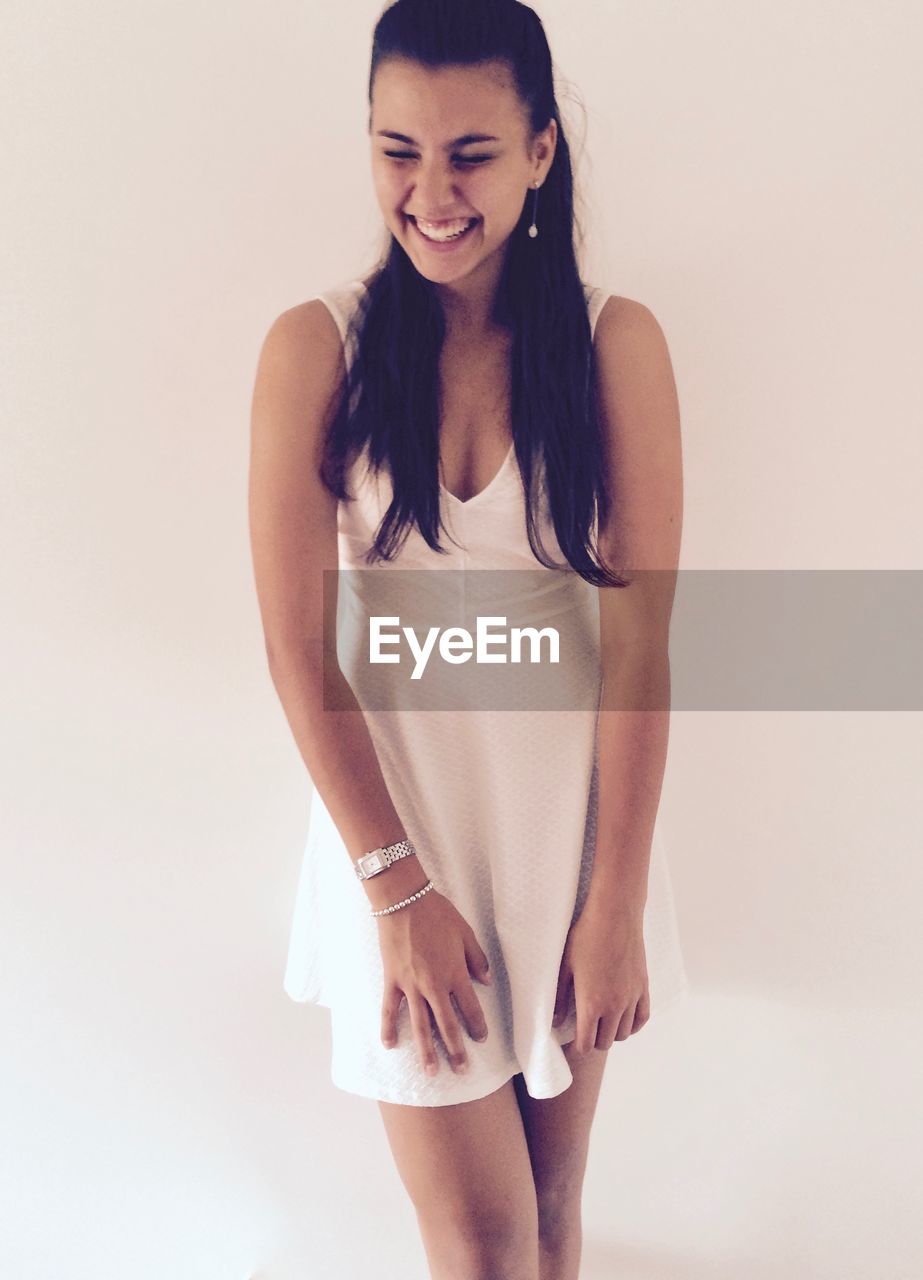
point(545, 146)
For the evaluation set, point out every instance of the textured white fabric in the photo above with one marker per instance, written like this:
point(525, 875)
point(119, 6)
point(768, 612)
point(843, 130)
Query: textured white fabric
point(501, 805)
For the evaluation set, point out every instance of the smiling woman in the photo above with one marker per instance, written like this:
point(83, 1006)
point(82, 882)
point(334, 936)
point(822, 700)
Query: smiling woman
point(452, 200)
point(473, 404)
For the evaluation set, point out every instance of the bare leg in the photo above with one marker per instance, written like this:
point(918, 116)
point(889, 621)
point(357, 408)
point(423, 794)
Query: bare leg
point(558, 1133)
point(467, 1171)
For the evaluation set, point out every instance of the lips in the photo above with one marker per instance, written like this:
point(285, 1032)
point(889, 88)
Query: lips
point(444, 224)
point(461, 227)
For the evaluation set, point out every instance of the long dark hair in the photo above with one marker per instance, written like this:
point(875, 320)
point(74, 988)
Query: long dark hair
point(390, 401)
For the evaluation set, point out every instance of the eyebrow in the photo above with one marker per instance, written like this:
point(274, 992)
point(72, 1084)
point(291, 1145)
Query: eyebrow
point(456, 142)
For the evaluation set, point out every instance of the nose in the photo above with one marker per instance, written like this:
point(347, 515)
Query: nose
point(435, 190)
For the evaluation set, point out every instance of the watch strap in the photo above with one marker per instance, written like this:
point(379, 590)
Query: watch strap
point(370, 864)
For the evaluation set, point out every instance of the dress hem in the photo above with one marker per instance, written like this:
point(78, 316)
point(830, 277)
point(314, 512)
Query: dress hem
point(563, 1034)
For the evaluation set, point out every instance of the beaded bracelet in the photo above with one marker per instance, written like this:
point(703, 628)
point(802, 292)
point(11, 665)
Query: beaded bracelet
point(413, 897)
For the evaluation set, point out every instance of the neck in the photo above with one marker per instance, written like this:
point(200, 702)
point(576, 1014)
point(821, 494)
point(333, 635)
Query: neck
point(468, 303)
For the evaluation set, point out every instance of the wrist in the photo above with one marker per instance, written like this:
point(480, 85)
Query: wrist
point(399, 881)
point(612, 896)
point(395, 908)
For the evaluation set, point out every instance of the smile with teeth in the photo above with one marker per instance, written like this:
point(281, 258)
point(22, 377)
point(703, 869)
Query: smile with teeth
point(442, 231)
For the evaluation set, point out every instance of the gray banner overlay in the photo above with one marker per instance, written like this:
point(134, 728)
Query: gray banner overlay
point(773, 640)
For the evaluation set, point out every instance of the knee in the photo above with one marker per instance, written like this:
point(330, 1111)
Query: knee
point(558, 1214)
point(491, 1245)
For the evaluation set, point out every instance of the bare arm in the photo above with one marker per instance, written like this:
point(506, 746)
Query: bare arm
point(294, 539)
point(604, 957)
point(641, 414)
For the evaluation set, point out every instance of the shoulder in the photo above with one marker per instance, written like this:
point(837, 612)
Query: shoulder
point(626, 320)
point(310, 322)
point(299, 374)
point(632, 359)
point(323, 318)
point(302, 351)
point(639, 414)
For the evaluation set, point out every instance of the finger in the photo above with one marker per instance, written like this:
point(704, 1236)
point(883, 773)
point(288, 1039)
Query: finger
point(470, 1008)
point(389, 1010)
point(476, 959)
point(606, 1032)
point(626, 1021)
point(450, 1031)
point(423, 1032)
point(587, 1023)
point(643, 1011)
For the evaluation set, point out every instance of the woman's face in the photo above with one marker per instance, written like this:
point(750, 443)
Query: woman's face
point(430, 169)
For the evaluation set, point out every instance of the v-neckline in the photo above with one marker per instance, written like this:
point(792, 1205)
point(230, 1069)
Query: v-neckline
point(476, 497)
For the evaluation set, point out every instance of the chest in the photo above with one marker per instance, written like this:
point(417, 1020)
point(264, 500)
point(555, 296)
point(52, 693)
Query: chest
point(475, 427)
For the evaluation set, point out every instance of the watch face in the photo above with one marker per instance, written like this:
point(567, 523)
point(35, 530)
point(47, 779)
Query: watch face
point(373, 862)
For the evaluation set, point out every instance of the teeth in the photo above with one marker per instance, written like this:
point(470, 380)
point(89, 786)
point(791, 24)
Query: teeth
point(444, 230)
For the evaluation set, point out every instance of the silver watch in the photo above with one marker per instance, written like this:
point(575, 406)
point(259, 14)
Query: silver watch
point(380, 859)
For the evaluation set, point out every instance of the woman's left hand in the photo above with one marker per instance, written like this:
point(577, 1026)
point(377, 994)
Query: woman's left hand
point(604, 959)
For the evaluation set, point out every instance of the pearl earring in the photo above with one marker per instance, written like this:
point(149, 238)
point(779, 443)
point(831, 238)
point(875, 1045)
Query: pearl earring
point(533, 230)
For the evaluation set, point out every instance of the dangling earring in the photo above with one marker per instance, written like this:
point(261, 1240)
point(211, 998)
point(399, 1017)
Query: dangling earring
point(533, 230)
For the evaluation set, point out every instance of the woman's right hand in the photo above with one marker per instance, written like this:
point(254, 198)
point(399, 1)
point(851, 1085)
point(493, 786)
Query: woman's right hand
point(430, 953)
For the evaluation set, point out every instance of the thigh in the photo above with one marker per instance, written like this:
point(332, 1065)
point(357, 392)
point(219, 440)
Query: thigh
point(466, 1166)
point(558, 1129)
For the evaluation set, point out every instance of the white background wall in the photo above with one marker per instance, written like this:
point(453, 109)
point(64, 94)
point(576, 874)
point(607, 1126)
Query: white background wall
point(176, 175)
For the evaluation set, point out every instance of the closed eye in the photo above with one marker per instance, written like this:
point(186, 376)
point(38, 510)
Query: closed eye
point(409, 155)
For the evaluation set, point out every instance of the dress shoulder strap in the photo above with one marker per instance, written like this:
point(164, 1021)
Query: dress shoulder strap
point(596, 300)
point(341, 301)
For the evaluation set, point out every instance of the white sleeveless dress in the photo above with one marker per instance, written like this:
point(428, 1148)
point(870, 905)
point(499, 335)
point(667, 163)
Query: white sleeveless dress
point(501, 806)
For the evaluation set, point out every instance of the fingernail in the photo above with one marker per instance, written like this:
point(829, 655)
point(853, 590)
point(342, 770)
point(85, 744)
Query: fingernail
point(430, 1068)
